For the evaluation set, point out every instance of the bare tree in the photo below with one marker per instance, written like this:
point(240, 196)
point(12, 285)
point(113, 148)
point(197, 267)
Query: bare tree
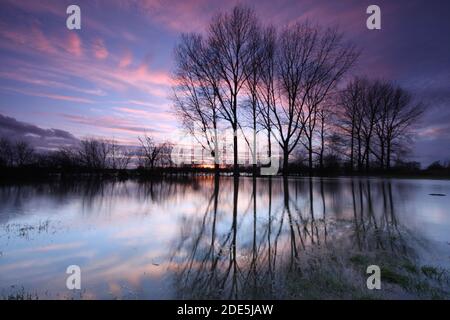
point(398, 114)
point(223, 59)
point(196, 103)
point(67, 157)
point(165, 159)
point(23, 153)
point(372, 102)
point(253, 81)
point(332, 59)
point(119, 156)
point(293, 55)
point(267, 84)
point(378, 117)
point(326, 125)
point(351, 114)
point(6, 153)
point(220, 61)
point(310, 62)
point(230, 40)
point(94, 153)
point(152, 153)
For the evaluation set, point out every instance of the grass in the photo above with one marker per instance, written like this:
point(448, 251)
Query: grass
point(410, 267)
point(19, 294)
point(343, 275)
point(24, 230)
point(391, 276)
point(359, 259)
point(434, 273)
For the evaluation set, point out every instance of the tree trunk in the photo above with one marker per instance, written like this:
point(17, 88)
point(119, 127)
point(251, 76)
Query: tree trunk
point(352, 152)
point(322, 144)
point(254, 166)
point(235, 154)
point(216, 169)
point(235, 126)
point(359, 153)
point(367, 155)
point(310, 163)
point(216, 151)
point(285, 161)
point(388, 155)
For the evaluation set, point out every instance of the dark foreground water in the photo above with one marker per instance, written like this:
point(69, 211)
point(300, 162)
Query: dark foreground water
point(227, 238)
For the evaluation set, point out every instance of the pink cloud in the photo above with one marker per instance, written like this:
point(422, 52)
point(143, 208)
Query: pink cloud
point(434, 132)
point(175, 15)
point(155, 83)
point(41, 42)
point(74, 44)
point(109, 122)
point(99, 48)
point(143, 74)
point(107, 76)
point(27, 39)
point(57, 8)
point(65, 46)
point(47, 95)
point(144, 114)
point(134, 111)
point(141, 103)
point(126, 60)
point(129, 36)
point(35, 79)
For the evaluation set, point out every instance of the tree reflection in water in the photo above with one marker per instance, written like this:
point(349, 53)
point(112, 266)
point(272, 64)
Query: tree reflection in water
point(289, 246)
point(225, 237)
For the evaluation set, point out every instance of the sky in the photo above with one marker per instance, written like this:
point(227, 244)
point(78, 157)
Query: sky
point(112, 78)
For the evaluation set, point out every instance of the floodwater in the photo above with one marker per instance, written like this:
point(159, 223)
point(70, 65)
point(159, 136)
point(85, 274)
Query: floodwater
point(225, 238)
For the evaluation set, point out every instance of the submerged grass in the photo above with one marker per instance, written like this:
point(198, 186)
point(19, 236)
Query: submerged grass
point(345, 277)
point(19, 294)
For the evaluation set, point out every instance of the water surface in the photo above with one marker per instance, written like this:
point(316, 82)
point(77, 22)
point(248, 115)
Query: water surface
point(224, 238)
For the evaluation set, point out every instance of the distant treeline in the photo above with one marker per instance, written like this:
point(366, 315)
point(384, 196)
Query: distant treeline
point(101, 156)
point(89, 155)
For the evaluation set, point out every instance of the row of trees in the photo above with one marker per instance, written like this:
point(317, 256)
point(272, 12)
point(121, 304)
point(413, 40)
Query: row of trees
point(94, 154)
point(285, 84)
point(91, 154)
point(15, 154)
point(100, 154)
point(376, 118)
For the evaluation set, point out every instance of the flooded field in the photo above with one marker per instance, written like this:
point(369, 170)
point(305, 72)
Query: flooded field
point(225, 238)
